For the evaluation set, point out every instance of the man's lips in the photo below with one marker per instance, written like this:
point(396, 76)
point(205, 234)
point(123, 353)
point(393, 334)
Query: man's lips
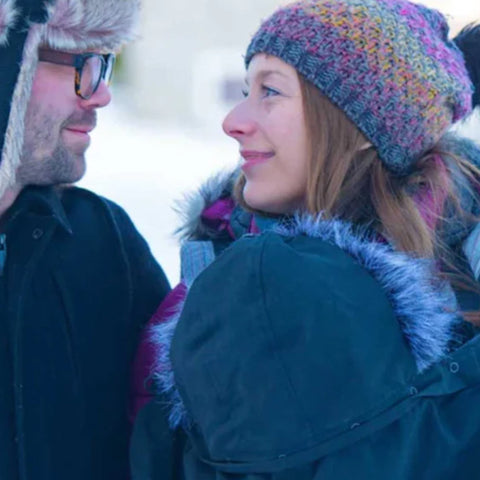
point(254, 157)
point(79, 133)
point(80, 129)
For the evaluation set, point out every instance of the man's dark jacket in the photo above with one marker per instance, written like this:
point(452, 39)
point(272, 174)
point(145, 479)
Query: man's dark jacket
point(78, 284)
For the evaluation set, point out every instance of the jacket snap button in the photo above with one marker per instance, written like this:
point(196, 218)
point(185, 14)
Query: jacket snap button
point(454, 367)
point(37, 233)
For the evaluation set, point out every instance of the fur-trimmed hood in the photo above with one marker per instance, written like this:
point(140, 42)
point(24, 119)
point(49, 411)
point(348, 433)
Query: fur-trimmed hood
point(425, 307)
point(83, 25)
point(292, 298)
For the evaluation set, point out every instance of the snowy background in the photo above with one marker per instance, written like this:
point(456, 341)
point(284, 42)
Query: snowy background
point(147, 167)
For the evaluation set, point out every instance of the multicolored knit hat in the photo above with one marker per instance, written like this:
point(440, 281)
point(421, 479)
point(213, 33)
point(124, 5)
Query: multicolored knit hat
point(84, 25)
point(388, 64)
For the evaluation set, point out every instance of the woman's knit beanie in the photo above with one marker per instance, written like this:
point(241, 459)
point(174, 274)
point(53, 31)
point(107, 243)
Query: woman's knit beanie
point(389, 65)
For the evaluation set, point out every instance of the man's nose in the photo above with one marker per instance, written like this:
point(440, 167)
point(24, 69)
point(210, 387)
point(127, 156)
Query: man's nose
point(101, 98)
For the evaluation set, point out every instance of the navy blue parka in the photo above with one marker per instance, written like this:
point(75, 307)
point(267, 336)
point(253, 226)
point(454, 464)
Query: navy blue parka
point(311, 351)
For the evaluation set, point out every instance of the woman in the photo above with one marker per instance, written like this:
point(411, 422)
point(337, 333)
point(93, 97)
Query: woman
point(336, 339)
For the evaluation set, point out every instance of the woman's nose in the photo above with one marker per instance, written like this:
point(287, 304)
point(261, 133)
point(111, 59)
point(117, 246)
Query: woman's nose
point(239, 121)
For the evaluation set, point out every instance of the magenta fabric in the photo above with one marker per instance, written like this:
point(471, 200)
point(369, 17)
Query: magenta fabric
point(217, 216)
point(429, 205)
point(143, 363)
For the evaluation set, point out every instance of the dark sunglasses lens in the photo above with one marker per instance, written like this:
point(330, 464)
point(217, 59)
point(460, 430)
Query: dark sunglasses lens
point(91, 75)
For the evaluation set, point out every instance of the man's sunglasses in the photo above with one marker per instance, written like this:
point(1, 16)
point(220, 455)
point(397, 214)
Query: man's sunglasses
point(90, 68)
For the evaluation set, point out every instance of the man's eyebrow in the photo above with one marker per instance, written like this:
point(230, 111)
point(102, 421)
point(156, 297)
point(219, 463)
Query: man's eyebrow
point(263, 74)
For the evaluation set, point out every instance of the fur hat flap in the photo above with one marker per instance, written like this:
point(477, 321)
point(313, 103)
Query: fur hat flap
point(8, 15)
point(91, 24)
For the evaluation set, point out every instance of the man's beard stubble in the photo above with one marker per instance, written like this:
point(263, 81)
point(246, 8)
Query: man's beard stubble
point(45, 159)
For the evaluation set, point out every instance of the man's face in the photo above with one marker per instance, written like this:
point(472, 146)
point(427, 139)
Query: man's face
point(57, 126)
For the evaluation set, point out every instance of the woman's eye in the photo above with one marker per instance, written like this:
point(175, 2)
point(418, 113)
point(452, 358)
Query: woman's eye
point(269, 91)
point(265, 92)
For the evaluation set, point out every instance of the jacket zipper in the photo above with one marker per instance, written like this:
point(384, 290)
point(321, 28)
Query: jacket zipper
point(3, 252)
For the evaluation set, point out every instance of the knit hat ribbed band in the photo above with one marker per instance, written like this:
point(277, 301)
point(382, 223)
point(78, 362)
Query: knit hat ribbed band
point(388, 64)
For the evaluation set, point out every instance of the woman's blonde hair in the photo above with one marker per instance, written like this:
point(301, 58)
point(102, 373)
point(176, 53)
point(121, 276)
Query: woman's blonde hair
point(346, 179)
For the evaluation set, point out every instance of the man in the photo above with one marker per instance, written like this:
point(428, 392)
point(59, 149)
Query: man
point(77, 281)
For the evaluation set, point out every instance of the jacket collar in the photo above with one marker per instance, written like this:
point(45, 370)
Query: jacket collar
point(42, 201)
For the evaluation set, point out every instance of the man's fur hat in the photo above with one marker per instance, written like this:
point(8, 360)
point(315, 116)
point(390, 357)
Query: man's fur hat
point(85, 25)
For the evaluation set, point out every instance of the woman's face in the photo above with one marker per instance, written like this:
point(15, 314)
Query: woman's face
point(269, 126)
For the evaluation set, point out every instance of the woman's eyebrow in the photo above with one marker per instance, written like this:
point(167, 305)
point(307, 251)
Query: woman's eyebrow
point(263, 74)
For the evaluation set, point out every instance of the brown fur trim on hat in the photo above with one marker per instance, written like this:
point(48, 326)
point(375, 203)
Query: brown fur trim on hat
point(8, 14)
point(12, 148)
point(104, 25)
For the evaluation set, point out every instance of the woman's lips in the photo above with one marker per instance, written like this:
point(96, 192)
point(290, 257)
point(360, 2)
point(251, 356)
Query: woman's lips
point(252, 157)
